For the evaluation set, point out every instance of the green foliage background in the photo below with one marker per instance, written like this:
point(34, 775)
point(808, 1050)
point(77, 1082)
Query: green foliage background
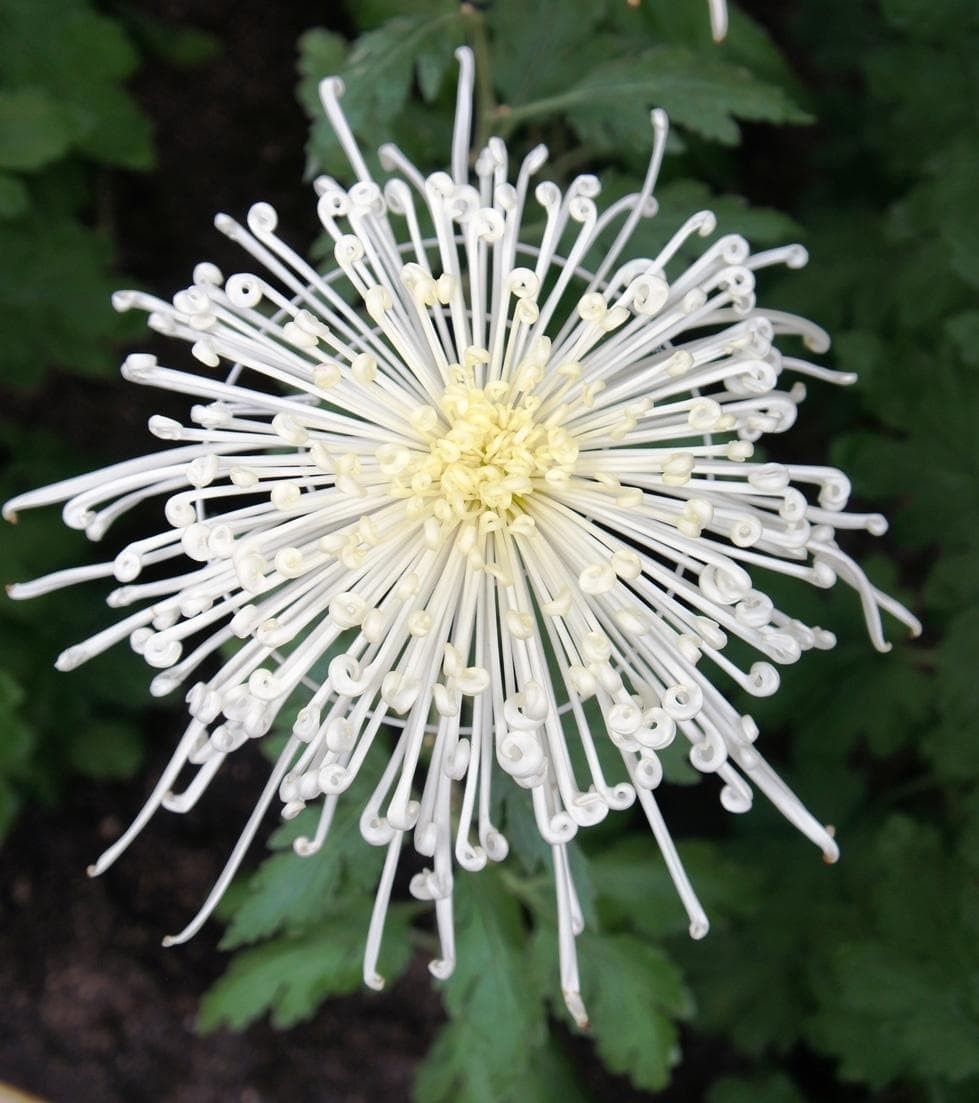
point(860, 983)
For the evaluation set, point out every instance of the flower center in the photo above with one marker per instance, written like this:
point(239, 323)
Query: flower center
point(493, 457)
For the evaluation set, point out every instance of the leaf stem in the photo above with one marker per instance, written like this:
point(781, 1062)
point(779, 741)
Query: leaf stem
point(508, 117)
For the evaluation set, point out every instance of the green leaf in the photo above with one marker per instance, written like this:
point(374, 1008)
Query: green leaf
point(54, 299)
point(106, 749)
point(14, 197)
point(176, 44)
point(610, 106)
point(61, 45)
point(34, 129)
point(775, 1088)
point(290, 977)
point(289, 892)
point(378, 74)
point(382, 63)
point(78, 59)
point(939, 431)
point(118, 133)
point(677, 200)
point(680, 198)
point(750, 975)
point(952, 744)
point(635, 891)
point(877, 700)
point(898, 992)
point(455, 1072)
point(492, 997)
point(634, 994)
point(963, 329)
point(919, 17)
point(527, 66)
point(321, 54)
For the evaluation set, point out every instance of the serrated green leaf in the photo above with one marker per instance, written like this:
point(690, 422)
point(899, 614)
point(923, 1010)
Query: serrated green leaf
point(891, 468)
point(321, 54)
point(634, 994)
point(680, 198)
point(491, 990)
point(527, 66)
point(378, 73)
point(750, 975)
point(290, 977)
point(611, 104)
point(455, 1071)
point(289, 892)
point(635, 891)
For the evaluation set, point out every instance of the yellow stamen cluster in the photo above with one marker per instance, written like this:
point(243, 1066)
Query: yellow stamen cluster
point(492, 457)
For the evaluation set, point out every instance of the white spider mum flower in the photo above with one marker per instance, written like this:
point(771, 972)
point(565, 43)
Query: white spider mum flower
point(468, 502)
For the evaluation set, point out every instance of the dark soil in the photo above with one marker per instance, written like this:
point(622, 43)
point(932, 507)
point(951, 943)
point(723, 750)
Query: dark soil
point(94, 1010)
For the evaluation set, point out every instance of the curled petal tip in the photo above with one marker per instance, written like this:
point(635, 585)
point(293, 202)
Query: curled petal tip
point(831, 854)
point(576, 1008)
point(167, 941)
point(305, 848)
point(374, 981)
point(699, 929)
point(718, 19)
point(442, 968)
point(331, 88)
point(92, 870)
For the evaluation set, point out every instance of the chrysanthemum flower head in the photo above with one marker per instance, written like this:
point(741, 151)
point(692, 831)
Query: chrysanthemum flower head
point(477, 506)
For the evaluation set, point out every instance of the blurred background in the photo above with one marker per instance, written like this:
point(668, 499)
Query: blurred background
point(848, 124)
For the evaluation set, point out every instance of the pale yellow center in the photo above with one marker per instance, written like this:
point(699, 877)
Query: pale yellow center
point(493, 456)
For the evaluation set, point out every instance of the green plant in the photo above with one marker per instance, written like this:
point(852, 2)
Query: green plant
point(845, 965)
point(67, 118)
point(874, 965)
point(859, 982)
